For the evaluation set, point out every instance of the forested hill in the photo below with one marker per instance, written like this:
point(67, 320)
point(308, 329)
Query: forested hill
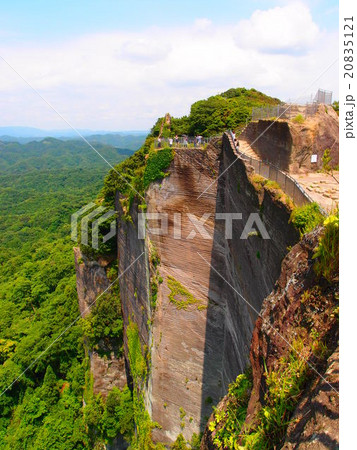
point(53, 153)
point(216, 114)
point(41, 185)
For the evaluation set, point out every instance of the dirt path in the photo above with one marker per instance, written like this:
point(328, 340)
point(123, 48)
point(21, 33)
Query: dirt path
point(322, 188)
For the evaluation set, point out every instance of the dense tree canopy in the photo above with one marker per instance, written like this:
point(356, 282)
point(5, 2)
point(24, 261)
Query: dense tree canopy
point(42, 184)
point(216, 114)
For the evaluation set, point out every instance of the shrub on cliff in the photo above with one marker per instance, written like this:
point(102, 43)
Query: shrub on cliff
point(157, 162)
point(326, 254)
point(227, 423)
point(103, 327)
point(306, 218)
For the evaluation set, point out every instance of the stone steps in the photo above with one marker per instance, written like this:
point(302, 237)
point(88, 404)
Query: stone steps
point(245, 148)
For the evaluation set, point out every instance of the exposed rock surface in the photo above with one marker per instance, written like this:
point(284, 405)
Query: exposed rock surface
point(285, 317)
point(289, 144)
point(91, 278)
point(315, 421)
point(199, 349)
point(301, 307)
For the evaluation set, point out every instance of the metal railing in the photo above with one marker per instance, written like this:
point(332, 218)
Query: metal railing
point(286, 111)
point(270, 171)
point(324, 97)
point(182, 142)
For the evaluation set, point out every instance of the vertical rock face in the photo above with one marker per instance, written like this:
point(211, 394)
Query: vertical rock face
point(301, 308)
point(288, 316)
point(200, 330)
point(289, 144)
point(91, 281)
point(272, 141)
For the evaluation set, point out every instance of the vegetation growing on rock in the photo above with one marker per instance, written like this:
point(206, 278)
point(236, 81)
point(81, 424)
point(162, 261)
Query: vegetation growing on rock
point(228, 420)
point(180, 296)
point(307, 217)
point(326, 255)
point(260, 184)
point(157, 162)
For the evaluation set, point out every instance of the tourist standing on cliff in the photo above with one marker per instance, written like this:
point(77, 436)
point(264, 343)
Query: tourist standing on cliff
point(171, 141)
point(176, 140)
point(159, 142)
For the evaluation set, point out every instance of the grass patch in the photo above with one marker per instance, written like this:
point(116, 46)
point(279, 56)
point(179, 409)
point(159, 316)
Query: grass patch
point(181, 297)
point(327, 252)
point(284, 387)
point(306, 218)
point(272, 187)
point(258, 181)
point(137, 360)
point(299, 119)
point(139, 370)
point(227, 423)
point(155, 278)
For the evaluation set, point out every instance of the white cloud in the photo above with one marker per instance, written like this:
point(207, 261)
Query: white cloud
point(281, 29)
point(202, 24)
point(126, 80)
point(144, 50)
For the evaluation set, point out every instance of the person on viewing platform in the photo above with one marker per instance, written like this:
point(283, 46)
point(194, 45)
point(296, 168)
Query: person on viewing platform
point(185, 141)
point(159, 142)
point(199, 140)
point(233, 136)
point(176, 140)
point(171, 141)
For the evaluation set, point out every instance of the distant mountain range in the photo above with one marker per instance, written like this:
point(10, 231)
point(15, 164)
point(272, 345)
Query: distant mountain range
point(58, 154)
point(131, 140)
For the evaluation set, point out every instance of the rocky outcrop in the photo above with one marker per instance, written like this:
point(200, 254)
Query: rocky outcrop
point(302, 308)
point(200, 330)
point(290, 144)
point(91, 278)
point(298, 305)
point(315, 421)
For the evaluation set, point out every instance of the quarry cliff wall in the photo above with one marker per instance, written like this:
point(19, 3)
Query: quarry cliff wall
point(289, 144)
point(197, 333)
point(92, 280)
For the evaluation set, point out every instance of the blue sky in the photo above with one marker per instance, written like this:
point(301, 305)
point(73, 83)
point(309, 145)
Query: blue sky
point(46, 19)
point(118, 64)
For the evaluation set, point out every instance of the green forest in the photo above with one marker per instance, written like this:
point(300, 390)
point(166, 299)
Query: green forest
point(228, 110)
point(42, 184)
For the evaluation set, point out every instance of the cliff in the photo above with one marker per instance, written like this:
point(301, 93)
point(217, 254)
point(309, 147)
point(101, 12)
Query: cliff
point(92, 280)
point(200, 303)
point(195, 334)
point(290, 143)
point(297, 328)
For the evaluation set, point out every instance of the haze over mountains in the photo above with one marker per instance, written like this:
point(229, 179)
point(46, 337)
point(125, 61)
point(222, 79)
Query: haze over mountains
point(131, 139)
